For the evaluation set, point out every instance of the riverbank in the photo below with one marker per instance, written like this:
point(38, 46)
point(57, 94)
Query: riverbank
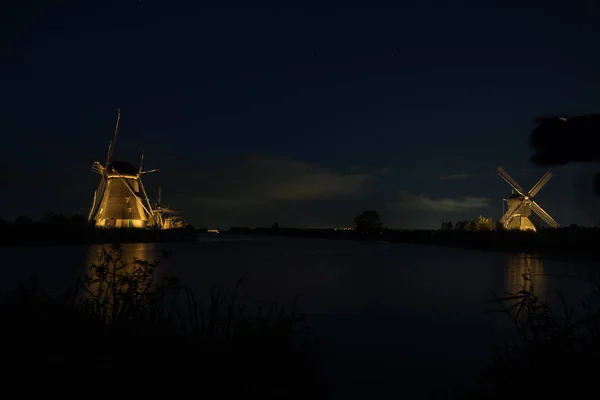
point(51, 236)
point(564, 243)
point(570, 243)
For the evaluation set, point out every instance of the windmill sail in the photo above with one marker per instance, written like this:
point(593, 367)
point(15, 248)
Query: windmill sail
point(538, 186)
point(543, 215)
point(98, 196)
point(111, 146)
point(520, 204)
point(510, 180)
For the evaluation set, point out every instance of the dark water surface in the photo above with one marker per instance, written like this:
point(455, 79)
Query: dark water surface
point(395, 320)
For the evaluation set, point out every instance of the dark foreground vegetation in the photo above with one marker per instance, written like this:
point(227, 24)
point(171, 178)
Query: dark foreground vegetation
point(116, 334)
point(555, 352)
point(60, 229)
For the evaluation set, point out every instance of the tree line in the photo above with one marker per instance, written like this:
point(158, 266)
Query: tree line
point(48, 220)
point(478, 224)
point(370, 221)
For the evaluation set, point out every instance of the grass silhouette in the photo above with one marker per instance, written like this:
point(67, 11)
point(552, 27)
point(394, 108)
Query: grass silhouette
point(118, 333)
point(554, 352)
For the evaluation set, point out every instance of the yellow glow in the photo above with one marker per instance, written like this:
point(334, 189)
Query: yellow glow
point(122, 223)
point(532, 267)
point(115, 176)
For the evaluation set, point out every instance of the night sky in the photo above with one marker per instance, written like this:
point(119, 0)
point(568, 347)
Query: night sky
point(301, 116)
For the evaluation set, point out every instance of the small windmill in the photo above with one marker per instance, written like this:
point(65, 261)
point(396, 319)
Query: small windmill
point(167, 217)
point(520, 204)
point(121, 200)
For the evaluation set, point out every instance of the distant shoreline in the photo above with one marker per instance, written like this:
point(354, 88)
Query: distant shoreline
point(88, 236)
point(569, 243)
point(563, 243)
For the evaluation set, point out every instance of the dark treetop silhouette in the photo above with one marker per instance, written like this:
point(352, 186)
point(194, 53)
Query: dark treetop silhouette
point(368, 221)
point(561, 139)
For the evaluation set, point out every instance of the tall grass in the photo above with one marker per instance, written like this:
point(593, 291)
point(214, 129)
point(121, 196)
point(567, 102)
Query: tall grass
point(118, 332)
point(554, 350)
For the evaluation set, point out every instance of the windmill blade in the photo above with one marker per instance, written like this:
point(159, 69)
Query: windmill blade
point(510, 181)
point(509, 213)
point(169, 210)
point(111, 146)
point(141, 162)
point(91, 213)
point(98, 168)
point(98, 196)
point(543, 214)
point(543, 180)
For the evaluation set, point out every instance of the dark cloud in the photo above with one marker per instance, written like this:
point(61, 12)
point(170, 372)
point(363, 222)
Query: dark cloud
point(265, 179)
point(409, 211)
point(356, 168)
point(260, 189)
point(446, 204)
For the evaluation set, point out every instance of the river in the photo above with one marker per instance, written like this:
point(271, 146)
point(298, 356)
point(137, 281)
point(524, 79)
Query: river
point(394, 319)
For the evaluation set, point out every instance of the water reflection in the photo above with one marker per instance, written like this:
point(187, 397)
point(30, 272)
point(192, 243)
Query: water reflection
point(120, 271)
point(143, 251)
point(526, 272)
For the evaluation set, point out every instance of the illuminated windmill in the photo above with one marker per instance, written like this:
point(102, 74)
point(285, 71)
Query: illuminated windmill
point(166, 217)
point(520, 204)
point(121, 200)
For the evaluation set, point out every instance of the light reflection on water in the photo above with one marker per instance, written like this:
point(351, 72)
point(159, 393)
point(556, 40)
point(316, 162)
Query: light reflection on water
point(547, 277)
point(130, 251)
point(408, 312)
point(122, 260)
point(526, 272)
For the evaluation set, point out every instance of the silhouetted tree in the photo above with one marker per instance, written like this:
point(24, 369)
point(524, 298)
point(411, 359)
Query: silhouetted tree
point(23, 221)
point(62, 222)
point(275, 226)
point(460, 226)
point(446, 225)
point(368, 221)
point(54, 219)
point(560, 139)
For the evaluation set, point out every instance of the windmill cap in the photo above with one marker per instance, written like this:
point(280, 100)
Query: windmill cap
point(122, 167)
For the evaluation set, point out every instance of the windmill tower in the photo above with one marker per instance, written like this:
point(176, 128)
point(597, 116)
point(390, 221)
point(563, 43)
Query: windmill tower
point(520, 204)
point(120, 200)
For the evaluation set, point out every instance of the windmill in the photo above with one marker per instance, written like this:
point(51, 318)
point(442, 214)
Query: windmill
point(121, 200)
point(167, 217)
point(520, 204)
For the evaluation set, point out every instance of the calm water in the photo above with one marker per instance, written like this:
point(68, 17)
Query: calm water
point(395, 320)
